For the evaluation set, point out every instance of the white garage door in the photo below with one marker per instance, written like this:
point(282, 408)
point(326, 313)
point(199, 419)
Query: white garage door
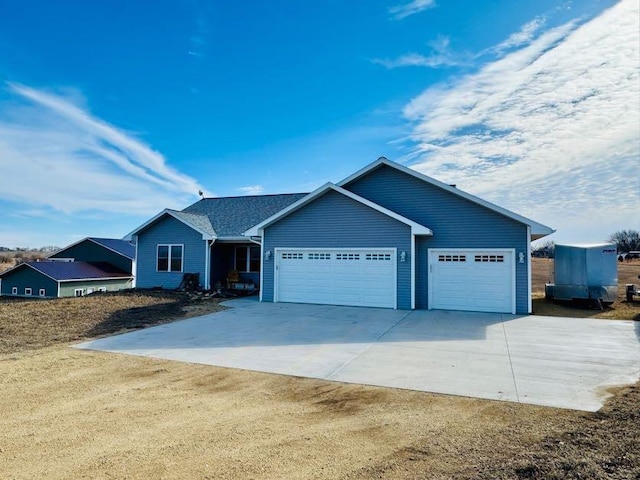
point(364, 278)
point(474, 280)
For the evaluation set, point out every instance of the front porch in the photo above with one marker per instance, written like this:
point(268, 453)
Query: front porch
point(229, 257)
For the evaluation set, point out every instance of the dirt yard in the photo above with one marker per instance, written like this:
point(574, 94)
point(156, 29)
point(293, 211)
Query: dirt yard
point(78, 414)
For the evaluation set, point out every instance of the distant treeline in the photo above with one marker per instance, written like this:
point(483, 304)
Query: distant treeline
point(48, 248)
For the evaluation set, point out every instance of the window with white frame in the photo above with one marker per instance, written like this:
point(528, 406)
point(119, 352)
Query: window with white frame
point(42, 292)
point(247, 259)
point(28, 291)
point(78, 292)
point(169, 258)
point(14, 290)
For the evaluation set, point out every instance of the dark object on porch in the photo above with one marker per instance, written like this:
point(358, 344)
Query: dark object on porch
point(190, 282)
point(236, 284)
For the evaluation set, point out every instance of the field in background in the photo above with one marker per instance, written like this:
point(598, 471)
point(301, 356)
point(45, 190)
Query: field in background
point(542, 272)
point(73, 414)
point(10, 259)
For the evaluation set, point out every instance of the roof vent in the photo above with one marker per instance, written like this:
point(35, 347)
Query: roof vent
point(453, 185)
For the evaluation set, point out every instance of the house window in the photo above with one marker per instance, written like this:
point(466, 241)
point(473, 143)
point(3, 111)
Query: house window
point(78, 292)
point(169, 258)
point(14, 290)
point(28, 291)
point(247, 259)
point(42, 292)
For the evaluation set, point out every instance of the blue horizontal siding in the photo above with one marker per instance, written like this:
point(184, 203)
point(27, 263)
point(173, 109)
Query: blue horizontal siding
point(336, 221)
point(168, 230)
point(455, 221)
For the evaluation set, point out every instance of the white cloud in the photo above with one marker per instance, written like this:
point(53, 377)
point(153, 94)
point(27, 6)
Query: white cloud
point(440, 56)
point(56, 155)
point(526, 33)
point(551, 130)
point(252, 189)
point(405, 10)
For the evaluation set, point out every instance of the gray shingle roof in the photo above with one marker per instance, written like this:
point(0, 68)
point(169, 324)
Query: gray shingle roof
point(232, 216)
point(123, 247)
point(199, 221)
point(64, 271)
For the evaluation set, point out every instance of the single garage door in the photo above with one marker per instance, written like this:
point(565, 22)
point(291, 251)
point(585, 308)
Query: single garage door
point(363, 278)
point(473, 280)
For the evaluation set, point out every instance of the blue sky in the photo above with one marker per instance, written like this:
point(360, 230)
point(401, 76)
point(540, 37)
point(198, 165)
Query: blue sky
point(113, 111)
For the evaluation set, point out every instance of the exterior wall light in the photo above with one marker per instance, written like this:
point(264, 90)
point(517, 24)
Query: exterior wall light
point(521, 257)
point(267, 255)
point(403, 256)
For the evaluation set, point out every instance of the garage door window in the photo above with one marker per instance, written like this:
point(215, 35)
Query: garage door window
point(347, 256)
point(489, 258)
point(385, 257)
point(452, 258)
point(319, 256)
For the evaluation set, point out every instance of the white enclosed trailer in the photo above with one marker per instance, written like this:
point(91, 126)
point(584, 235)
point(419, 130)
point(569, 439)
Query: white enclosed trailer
point(587, 272)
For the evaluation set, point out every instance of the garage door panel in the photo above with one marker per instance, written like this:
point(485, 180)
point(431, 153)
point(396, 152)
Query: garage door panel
point(474, 280)
point(337, 277)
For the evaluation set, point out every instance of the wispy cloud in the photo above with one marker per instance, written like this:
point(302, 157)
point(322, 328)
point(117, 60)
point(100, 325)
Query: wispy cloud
point(550, 129)
point(404, 10)
point(252, 189)
point(56, 155)
point(523, 36)
point(198, 41)
point(439, 56)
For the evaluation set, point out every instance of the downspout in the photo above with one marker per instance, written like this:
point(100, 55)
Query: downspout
point(260, 242)
point(134, 269)
point(207, 264)
point(529, 293)
point(413, 260)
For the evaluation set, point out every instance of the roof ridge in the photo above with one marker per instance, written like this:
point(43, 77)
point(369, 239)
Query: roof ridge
point(253, 196)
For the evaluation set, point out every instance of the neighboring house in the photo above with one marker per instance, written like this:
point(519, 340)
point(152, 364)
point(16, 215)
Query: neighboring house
point(89, 265)
point(119, 253)
point(387, 236)
point(50, 279)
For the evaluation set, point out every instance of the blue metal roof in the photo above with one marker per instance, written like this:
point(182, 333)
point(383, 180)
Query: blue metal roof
point(67, 271)
point(232, 216)
point(123, 247)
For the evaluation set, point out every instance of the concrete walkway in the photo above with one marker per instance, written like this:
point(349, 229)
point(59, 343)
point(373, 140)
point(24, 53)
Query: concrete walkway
point(552, 361)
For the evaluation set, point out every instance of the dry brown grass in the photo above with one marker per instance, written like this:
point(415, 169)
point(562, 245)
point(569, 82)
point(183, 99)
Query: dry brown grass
point(34, 323)
point(10, 259)
point(80, 414)
point(541, 273)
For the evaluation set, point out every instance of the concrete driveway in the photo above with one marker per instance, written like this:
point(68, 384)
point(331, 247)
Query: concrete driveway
point(552, 361)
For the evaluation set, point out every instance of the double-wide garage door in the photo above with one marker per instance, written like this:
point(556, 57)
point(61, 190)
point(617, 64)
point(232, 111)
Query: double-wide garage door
point(364, 278)
point(473, 280)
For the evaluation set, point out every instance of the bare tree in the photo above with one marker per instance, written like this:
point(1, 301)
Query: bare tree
point(544, 250)
point(626, 240)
